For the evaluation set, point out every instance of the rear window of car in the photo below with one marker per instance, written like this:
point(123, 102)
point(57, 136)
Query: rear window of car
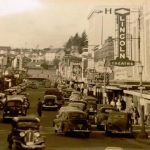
point(76, 115)
point(77, 105)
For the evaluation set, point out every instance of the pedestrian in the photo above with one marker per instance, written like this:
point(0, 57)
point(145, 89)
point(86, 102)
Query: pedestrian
point(123, 104)
point(39, 108)
point(118, 104)
point(136, 115)
point(112, 103)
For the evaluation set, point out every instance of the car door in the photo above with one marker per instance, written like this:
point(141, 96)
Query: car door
point(58, 122)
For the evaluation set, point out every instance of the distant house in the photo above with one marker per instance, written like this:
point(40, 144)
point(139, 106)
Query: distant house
point(50, 54)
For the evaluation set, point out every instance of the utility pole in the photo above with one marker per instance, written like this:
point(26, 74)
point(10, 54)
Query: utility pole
point(139, 35)
point(104, 89)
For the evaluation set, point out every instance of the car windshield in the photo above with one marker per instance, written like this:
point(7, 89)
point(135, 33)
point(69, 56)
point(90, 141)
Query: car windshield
point(77, 115)
point(14, 103)
point(49, 100)
point(28, 125)
point(92, 104)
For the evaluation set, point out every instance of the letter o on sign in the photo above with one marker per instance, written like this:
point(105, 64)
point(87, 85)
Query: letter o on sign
point(122, 43)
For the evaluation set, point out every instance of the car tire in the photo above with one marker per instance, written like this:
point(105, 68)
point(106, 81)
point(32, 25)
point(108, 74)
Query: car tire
point(55, 128)
point(108, 133)
point(86, 135)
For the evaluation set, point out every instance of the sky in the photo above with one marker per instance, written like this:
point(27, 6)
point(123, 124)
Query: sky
point(46, 23)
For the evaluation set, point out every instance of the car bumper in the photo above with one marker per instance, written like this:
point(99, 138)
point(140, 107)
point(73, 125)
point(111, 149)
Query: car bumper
point(81, 131)
point(32, 146)
point(49, 107)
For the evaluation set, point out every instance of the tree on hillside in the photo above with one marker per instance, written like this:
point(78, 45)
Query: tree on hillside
point(84, 41)
point(77, 42)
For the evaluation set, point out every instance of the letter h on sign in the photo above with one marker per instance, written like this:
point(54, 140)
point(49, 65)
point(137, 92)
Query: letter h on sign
point(108, 10)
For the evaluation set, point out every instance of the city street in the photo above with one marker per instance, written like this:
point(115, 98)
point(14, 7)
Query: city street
point(97, 140)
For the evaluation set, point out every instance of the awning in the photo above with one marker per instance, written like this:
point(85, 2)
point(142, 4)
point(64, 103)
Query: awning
point(135, 93)
point(112, 88)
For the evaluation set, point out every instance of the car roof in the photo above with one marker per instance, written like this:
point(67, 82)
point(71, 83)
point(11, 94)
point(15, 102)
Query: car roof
point(90, 98)
point(70, 109)
point(15, 97)
point(26, 118)
point(50, 96)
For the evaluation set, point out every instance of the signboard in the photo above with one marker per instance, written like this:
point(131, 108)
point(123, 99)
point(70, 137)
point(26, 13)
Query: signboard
point(122, 60)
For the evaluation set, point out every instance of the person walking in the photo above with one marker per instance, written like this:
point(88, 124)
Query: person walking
point(39, 108)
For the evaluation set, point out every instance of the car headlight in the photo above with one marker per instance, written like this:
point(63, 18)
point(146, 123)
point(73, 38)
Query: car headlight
point(37, 134)
point(22, 134)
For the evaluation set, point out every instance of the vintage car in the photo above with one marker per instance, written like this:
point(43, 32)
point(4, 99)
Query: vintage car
point(24, 96)
point(25, 134)
point(118, 122)
point(10, 91)
point(49, 102)
point(14, 107)
point(91, 108)
point(67, 93)
point(57, 93)
point(75, 95)
point(2, 100)
point(71, 120)
point(102, 115)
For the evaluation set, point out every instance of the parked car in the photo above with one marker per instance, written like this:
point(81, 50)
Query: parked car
point(2, 100)
point(102, 115)
point(14, 107)
point(71, 120)
point(25, 134)
point(91, 108)
point(10, 91)
point(49, 102)
point(118, 122)
point(25, 99)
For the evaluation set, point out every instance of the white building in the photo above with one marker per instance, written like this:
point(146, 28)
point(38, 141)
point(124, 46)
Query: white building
point(102, 24)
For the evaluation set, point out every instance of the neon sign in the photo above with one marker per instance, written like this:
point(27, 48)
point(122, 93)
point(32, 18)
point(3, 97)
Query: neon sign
point(122, 59)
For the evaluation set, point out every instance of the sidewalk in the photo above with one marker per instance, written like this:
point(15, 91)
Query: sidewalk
point(137, 129)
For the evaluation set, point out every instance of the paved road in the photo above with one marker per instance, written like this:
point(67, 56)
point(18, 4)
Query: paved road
point(97, 140)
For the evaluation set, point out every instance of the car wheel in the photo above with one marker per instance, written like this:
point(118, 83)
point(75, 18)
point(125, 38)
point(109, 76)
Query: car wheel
point(55, 127)
point(63, 131)
point(108, 133)
point(87, 135)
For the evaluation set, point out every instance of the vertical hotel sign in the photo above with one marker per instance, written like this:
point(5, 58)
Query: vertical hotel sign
point(122, 60)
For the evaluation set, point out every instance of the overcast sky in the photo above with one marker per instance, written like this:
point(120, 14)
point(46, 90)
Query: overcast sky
point(28, 23)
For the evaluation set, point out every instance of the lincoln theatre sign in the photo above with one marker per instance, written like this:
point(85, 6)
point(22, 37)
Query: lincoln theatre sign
point(122, 59)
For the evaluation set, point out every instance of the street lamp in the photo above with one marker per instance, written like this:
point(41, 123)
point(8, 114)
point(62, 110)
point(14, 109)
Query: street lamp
point(143, 133)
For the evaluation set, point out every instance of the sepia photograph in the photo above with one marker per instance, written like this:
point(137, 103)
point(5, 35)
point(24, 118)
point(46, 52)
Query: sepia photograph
point(74, 75)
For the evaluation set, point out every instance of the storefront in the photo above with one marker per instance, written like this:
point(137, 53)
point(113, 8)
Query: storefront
point(138, 100)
